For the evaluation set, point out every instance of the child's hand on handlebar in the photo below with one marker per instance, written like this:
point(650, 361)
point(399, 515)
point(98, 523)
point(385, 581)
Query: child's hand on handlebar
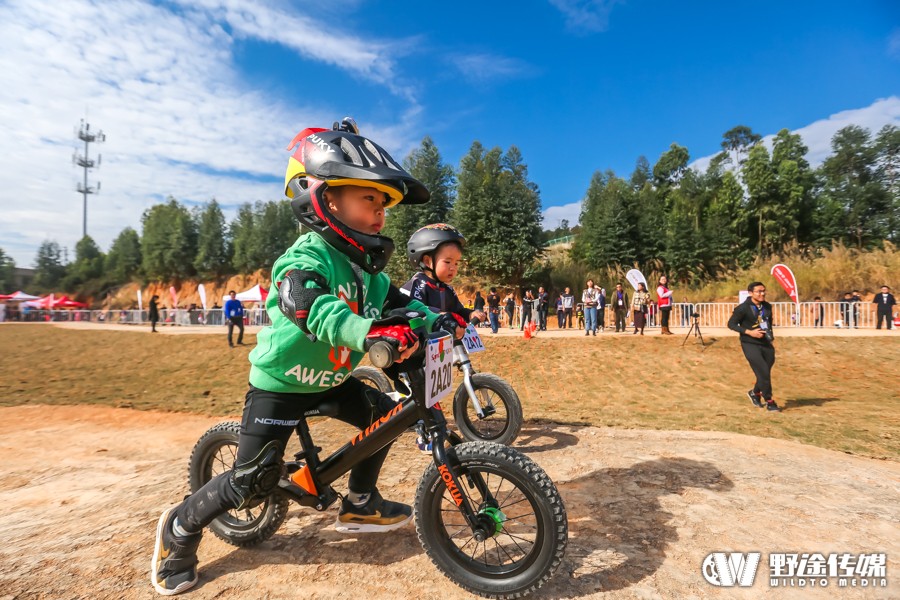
point(452, 323)
point(479, 315)
point(398, 335)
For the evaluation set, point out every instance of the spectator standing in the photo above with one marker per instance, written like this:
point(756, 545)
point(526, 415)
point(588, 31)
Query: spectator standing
point(687, 309)
point(846, 309)
point(493, 302)
point(885, 302)
point(601, 310)
point(234, 312)
point(153, 313)
point(478, 302)
point(639, 308)
point(855, 299)
point(527, 309)
point(590, 297)
point(665, 304)
point(560, 314)
point(619, 303)
point(568, 307)
point(543, 307)
point(818, 311)
point(753, 320)
point(509, 306)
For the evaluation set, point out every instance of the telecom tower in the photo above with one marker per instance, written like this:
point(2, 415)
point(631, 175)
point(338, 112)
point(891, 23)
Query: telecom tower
point(85, 135)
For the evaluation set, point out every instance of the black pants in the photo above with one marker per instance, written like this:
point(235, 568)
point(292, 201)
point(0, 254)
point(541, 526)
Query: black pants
point(239, 323)
point(761, 358)
point(886, 315)
point(360, 405)
point(567, 319)
point(664, 311)
point(542, 319)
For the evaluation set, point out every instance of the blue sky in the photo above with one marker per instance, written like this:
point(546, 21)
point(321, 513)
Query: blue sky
point(198, 99)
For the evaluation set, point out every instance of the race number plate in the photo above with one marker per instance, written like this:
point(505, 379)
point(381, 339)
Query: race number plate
point(438, 369)
point(472, 340)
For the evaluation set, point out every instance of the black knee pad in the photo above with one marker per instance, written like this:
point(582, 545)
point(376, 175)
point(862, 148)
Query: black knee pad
point(258, 477)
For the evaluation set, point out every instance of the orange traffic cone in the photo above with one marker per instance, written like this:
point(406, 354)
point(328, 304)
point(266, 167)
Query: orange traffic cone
point(534, 329)
point(528, 332)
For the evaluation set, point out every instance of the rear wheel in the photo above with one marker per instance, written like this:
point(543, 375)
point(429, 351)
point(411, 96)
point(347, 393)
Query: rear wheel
point(373, 377)
point(501, 405)
point(214, 454)
point(521, 511)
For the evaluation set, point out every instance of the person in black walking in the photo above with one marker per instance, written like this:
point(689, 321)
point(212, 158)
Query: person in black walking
point(753, 320)
point(493, 302)
point(543, 307)
point(885, 303)
point(153, 314)
point(234, 312)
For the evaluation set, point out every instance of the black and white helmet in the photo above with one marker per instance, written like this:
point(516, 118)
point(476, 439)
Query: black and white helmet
point(326, 158)
point(428, 239)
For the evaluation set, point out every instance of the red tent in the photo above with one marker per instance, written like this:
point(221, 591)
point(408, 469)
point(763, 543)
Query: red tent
point(18, 296)
point(51, 301)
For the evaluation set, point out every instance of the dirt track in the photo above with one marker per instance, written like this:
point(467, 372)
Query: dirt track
point(82, 488)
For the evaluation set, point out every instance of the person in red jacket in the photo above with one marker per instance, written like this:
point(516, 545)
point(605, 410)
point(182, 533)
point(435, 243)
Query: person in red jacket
point(665, 304)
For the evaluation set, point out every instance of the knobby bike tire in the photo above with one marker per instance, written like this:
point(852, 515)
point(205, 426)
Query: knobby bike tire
point(373, 377)
point(504, 426)
point(532, 522)
point(251, 525)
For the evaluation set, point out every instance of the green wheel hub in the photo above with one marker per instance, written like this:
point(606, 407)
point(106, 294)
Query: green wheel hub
point(496, 515)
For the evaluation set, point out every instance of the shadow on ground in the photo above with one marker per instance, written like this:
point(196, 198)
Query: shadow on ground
point(618, 531)
point(802, 402)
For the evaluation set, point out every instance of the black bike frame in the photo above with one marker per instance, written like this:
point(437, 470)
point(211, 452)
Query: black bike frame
point(384, 431)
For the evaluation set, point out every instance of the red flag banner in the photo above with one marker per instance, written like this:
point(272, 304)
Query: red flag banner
point(785, 277)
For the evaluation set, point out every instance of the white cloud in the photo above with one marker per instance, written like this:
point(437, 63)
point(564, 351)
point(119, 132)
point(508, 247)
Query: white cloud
point(161, 83)
point(586, 16)
point(893, 48)
point(817, 137)
point(554, 215)
point(481, 68)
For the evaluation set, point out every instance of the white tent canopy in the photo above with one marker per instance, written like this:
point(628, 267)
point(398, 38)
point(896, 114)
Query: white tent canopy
point(254, 294)
point(19, 296)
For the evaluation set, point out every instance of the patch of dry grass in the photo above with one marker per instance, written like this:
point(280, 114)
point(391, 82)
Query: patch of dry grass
point(838, 393)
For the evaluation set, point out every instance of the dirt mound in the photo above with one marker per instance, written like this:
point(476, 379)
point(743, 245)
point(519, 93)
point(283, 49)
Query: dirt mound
point(186, 291)
point(82, 488)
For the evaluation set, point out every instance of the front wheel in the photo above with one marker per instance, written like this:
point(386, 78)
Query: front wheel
point(214, 454)
point(500, 403)
point(521, 508)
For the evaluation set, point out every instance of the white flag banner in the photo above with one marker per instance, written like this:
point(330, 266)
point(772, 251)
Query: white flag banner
point(202, 291)
point(140, 301)
point(635, 277)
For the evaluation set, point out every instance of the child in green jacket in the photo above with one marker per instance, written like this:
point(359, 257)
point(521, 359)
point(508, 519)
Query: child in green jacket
point(331, 292)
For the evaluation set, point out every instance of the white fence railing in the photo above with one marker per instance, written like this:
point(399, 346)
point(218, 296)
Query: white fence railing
point(711, 314)
point(178, 317)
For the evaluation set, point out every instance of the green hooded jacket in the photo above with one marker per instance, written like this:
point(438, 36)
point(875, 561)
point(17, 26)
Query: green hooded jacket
point(285, 360)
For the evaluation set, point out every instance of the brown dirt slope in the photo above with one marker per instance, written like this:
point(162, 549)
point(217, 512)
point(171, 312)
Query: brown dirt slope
point(83, 487)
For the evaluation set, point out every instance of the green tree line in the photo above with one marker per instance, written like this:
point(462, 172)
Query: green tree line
point(695, 225)
point(750, 203)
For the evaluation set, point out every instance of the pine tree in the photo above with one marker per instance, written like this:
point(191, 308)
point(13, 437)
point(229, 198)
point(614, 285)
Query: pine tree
point(7, 272)
point(49, 269)
point(123, 261)
point(212, 258)
point(425, 164)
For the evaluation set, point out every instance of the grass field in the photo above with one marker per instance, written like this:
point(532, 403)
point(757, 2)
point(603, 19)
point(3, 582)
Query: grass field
point(838, 393)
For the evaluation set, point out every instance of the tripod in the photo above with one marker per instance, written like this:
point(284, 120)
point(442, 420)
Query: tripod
point(695, 329)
